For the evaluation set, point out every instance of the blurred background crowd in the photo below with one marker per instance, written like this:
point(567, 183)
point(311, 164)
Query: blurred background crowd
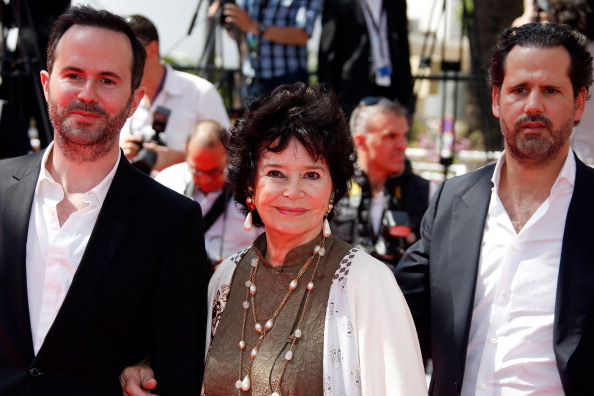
point(438, 51)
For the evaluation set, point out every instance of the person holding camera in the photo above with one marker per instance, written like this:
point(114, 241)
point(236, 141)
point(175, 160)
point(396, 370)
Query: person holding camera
point(153, 138)
point(383, 210)
point(202, 177)
point(276, 34)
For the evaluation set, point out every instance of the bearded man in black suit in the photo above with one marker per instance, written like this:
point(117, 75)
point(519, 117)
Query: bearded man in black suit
point(100, 266)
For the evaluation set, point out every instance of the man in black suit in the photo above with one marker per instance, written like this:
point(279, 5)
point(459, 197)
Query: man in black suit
point(504, 268)
point(364, 51)
point(101, 267)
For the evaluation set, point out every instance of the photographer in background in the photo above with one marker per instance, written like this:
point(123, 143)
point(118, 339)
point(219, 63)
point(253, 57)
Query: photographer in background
point(383, 211)
point(178, 100)
point(276, 33)
point(202, 177)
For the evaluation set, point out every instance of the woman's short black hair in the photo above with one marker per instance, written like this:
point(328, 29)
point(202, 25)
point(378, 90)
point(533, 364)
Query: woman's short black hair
point(309, 114)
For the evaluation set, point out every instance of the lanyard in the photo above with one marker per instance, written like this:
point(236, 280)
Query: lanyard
point(377, 25)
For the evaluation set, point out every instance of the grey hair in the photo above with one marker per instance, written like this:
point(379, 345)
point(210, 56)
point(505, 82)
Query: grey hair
point(363, 113)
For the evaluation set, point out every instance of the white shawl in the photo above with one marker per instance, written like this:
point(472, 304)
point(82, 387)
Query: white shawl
point(370, 343)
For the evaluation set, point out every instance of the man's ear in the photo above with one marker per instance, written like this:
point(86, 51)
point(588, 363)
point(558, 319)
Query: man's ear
point(44, 75)
point(359, 141)
point(136, 98)
point(580, 104)
point(495, 102)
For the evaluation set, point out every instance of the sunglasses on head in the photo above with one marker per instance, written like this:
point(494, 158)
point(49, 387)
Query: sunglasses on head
point(370, 100)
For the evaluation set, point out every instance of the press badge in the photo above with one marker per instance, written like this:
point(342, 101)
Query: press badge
point(384, 71)
point(383, 75)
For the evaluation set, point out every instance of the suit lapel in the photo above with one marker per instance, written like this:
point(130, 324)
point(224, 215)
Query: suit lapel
point(16, 206)
point(116, 214)
point(469, 212)
point(575, 293)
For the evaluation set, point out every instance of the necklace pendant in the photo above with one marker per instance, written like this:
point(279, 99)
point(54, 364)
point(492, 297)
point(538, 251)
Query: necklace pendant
point(298, 333)
point(238, 384)
point(258, 327)
point(275, 394)
point(253, 353)
point(322, 252)
point(246, 384)
point(253, 290)
point(245, 304)
point(254, 262)
point(268, 325)
point(289, 355)
point(310, 286)
point(293, 285)
point(241, 344)
point(316, 249)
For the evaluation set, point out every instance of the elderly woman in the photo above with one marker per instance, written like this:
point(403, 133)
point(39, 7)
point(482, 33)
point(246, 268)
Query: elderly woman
point(302, 312)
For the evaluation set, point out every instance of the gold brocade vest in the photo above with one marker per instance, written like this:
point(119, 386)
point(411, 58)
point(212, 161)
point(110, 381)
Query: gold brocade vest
point(303, 375)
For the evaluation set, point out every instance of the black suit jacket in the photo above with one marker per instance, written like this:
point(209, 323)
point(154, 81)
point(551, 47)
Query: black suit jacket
point(139, 292)
point(344, 60)
point(438, 278)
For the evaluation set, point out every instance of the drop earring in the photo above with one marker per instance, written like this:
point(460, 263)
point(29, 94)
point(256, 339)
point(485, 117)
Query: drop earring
point(249, 201)
point(326, 231)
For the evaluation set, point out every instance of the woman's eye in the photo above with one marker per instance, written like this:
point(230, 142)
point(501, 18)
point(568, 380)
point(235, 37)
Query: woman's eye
point(312, 175)
point(274, 173)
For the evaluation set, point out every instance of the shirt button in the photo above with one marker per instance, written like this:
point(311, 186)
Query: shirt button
point(34, 372)
point(493, 340)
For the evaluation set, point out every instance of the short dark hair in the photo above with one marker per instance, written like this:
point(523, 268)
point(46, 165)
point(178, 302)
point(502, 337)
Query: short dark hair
point(88, 16)
point(545, 35)
point(145, 30)
point(579, 14)
point(307, 113)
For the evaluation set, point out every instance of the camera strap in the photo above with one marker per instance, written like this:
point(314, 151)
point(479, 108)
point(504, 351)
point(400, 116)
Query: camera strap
point(218, 207)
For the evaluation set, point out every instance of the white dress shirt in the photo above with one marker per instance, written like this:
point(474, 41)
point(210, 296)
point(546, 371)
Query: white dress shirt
point(54, 252)
point(190, 98)
point(226, 236)
point(510, 347)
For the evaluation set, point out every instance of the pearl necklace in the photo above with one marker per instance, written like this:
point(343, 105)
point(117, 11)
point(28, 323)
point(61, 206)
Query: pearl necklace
point(251, 289)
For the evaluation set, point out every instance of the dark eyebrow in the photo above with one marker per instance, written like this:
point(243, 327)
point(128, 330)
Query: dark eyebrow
point(106, 73)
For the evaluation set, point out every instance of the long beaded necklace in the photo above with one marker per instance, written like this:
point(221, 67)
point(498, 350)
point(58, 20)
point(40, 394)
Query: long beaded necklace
point(251, 289)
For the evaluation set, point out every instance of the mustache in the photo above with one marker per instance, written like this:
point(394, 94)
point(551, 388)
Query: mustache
point(88, 108)
point(535, 118)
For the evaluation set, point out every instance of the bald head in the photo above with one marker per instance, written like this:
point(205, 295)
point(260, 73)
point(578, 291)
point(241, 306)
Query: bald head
point(207, 134)
point(206, 156)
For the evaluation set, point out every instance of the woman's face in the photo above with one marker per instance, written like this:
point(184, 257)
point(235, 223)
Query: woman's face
point(292, 192)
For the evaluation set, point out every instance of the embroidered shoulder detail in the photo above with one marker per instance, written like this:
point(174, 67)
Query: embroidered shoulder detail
point(236, 257)
point(218, 306)
point(343, 269)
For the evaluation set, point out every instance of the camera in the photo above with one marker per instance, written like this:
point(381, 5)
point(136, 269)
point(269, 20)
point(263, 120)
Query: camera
point(391, 244)
point(146, 159)
point(396, 224)
point(221, 17)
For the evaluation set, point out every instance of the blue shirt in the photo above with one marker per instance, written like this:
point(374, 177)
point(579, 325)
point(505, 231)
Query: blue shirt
point(268, 59)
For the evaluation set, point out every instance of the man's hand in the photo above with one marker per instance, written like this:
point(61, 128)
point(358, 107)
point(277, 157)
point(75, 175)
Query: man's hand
point(240, 18)
point(138, 380)
point(165, 156)
point(131, 146)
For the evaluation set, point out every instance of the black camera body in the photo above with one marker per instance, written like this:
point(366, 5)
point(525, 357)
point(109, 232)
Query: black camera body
point(146, 159)
point(221, 16)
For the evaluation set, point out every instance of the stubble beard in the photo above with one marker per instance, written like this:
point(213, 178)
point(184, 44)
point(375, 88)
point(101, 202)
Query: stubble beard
point(535, 152)
point(86, 144)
